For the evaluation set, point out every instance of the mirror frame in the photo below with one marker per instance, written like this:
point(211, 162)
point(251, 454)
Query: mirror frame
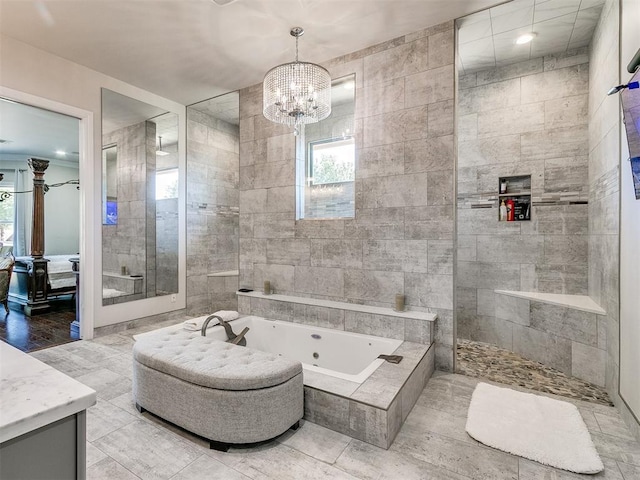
point(137, 309)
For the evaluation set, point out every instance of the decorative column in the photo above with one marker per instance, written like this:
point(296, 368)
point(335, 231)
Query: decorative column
point(37, 301)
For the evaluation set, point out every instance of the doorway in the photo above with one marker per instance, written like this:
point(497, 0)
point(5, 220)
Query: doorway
point(40, 317)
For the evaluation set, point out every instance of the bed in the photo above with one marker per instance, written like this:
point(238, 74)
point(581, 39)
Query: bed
point(60, 278)
point(37, 279)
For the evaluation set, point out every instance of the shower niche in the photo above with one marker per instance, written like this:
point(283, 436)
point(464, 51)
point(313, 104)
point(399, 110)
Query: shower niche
point(515, 193)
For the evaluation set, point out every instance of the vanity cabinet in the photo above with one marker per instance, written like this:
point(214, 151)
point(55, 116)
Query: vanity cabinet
point(42, 419)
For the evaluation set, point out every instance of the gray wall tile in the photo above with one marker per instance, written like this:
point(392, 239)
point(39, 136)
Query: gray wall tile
point(319, 280)
point(564, 322)
point(379, 286)
point(543, 347)
point(370, 324)
point(514, 309)
point(588, 363)
point(427, 87)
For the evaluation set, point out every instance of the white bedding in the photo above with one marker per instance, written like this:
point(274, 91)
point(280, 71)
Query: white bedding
point(59, 263)
point(60, 271)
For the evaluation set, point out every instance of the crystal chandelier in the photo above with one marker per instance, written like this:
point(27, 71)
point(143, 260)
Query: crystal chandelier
point(297, 93)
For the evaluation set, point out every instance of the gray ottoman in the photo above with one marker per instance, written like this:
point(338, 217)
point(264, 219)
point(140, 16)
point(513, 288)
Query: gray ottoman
point(225, 393)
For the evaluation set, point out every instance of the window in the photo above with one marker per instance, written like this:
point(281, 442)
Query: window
point(332, 161)
point(325, 162)
point(167, 184)
point(6, 215)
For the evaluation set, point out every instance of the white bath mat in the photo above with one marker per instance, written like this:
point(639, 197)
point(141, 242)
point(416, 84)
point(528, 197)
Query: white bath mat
point(539, 428)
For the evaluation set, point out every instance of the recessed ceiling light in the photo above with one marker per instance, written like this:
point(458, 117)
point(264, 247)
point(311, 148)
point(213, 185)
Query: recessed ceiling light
point(526, 38)
point(61, 153)
point(223, 2)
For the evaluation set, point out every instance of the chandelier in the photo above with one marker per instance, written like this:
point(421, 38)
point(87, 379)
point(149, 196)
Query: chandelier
point(297, 93)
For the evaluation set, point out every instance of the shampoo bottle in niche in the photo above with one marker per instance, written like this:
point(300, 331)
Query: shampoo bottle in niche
point(510, 212)
point(503, 212)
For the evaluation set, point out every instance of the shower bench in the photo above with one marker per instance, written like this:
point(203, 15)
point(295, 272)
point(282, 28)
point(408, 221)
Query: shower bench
point(225, 393)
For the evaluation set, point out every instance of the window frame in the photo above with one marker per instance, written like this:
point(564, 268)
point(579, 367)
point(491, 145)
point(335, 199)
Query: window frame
point(310, 163)
point(166, 171)
point(11, 188)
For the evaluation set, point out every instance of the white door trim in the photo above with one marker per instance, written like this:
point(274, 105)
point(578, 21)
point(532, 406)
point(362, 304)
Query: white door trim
point(87, 198)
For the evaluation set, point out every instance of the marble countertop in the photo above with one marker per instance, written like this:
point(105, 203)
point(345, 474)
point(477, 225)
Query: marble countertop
point(33, 394)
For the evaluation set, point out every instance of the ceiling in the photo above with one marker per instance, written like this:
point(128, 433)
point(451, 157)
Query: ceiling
point(487, 39)
point(119, 111)
point(193, 49)
point(190, 50)
point(223, 107)
point(37, 133)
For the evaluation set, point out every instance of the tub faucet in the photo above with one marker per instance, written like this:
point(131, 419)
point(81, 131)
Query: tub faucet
point(231, 337)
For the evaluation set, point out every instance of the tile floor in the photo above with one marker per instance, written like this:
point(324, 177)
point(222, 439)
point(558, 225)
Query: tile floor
point(482, 360)
point(432, 444)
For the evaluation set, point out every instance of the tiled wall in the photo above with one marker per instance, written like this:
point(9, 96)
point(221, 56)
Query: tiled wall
point(567, 339)
point(397, 326)
point(604, 190)
point(212, 209)
point(401, 239)
point(330, 200)
point(530, 118)
point(124, 244)
point(167, 229)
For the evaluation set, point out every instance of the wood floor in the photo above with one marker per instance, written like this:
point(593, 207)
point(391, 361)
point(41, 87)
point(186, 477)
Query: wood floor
point(40, 331)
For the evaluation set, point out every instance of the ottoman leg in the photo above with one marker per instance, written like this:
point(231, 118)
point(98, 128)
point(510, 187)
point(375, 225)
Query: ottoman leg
point(295, 426)
point(140, 409)
point(219, 446)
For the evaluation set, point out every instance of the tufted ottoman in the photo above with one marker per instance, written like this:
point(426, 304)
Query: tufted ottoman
point(222, 392)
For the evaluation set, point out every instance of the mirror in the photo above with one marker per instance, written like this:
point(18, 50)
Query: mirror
point(213, 203)
point(139, 200)
point(326, 156)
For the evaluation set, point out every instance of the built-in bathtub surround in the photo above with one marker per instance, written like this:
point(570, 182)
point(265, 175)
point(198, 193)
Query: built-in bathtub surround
point(212, 212)
point(530, 118)
point(411, 326)
point(369, 405)
point(375, 410)
point(604, 188)
point(401, 239)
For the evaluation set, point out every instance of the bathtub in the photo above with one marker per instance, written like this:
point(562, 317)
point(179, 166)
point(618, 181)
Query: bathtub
point(336, 353)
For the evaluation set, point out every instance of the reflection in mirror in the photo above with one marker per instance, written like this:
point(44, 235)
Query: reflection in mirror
point(110, 185)
point(326, 154)
point(140, 200)
point(213, 162)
